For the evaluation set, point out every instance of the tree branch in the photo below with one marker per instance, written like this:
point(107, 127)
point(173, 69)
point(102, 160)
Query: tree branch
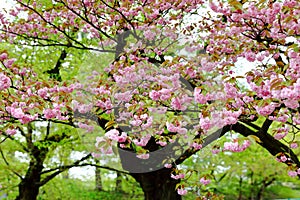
point(209, 139)
point(268, 142)
point(272, 145)
point(61, 169)
point(7, 163)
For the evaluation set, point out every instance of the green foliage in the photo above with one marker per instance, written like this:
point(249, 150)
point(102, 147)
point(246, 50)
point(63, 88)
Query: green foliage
point(69, 189)
point(244, 173)
point(279, 190)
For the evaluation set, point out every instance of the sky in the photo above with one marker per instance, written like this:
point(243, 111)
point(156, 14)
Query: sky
point(6, 4)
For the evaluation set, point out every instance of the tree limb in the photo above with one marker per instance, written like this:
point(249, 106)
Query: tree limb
point(7, 163)
point(61, 169)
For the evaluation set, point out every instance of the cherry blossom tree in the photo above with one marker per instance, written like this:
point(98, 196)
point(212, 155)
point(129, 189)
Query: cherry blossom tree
point(173, 85)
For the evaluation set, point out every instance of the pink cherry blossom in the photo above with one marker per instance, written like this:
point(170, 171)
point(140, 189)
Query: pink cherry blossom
point(113, 134)
point(199, 98)
point(235, 146)
point(17, 112)
point(181, 191)
point(205, 123)
point(162, 143)
point(177, 104)
point(205, 181)
point(148, 123)
point(142, 141)
point(196, 145)
point(292, 173)
point(178, 176)
point(283, 158)
point(43, 92)
point(143, 156)
point(125, 96)
point(294, 145)
point(85, 108)
point(167, 165)
point(266, 110)
point(122, 138)
point(4, 82)
point(88, 128)
point(3, 56)
point(50, 113)
point(11, 131)
point(154, 95)
point(215, 151)
point(250, 56)
point(280, 136)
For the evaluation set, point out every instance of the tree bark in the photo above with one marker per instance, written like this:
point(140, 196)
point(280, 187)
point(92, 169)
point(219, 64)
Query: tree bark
point(158, 185)
point(28, 188)
point(30, 184)
point(154, 179)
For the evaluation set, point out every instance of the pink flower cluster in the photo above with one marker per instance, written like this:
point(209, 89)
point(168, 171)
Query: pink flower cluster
point(142, 141)
point(4, 82)
point(178, 103)
point(200, 98)
point(281, 132)
point(231, 91)
point(282, 158)
point(125, 96)
point(230, 117)
point(143, 120)
point(294, 173)
point(115, 135)
point(163, 94)
point(55, 112)
point(105, 105)
point(205, 181)
point(18, 113)
point(10, 131)
point(143, 156)
point(266, 110)
point(235, 146)
point(181, 191)
point(178, 176)
point(3, 56)
point(168, 165)
point(176, 129)
point(294, 145)
point(51, 113)
point(196, 145)
point(205, 123)
point(87, 127)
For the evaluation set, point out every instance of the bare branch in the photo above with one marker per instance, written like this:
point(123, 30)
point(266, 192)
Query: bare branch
point(61, 169)
point(7, 163)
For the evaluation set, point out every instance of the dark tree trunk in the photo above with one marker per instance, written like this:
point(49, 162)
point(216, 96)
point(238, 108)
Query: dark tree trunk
point(28, 190)
point(154, 179)
point(30, 184)
point(158, 185)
